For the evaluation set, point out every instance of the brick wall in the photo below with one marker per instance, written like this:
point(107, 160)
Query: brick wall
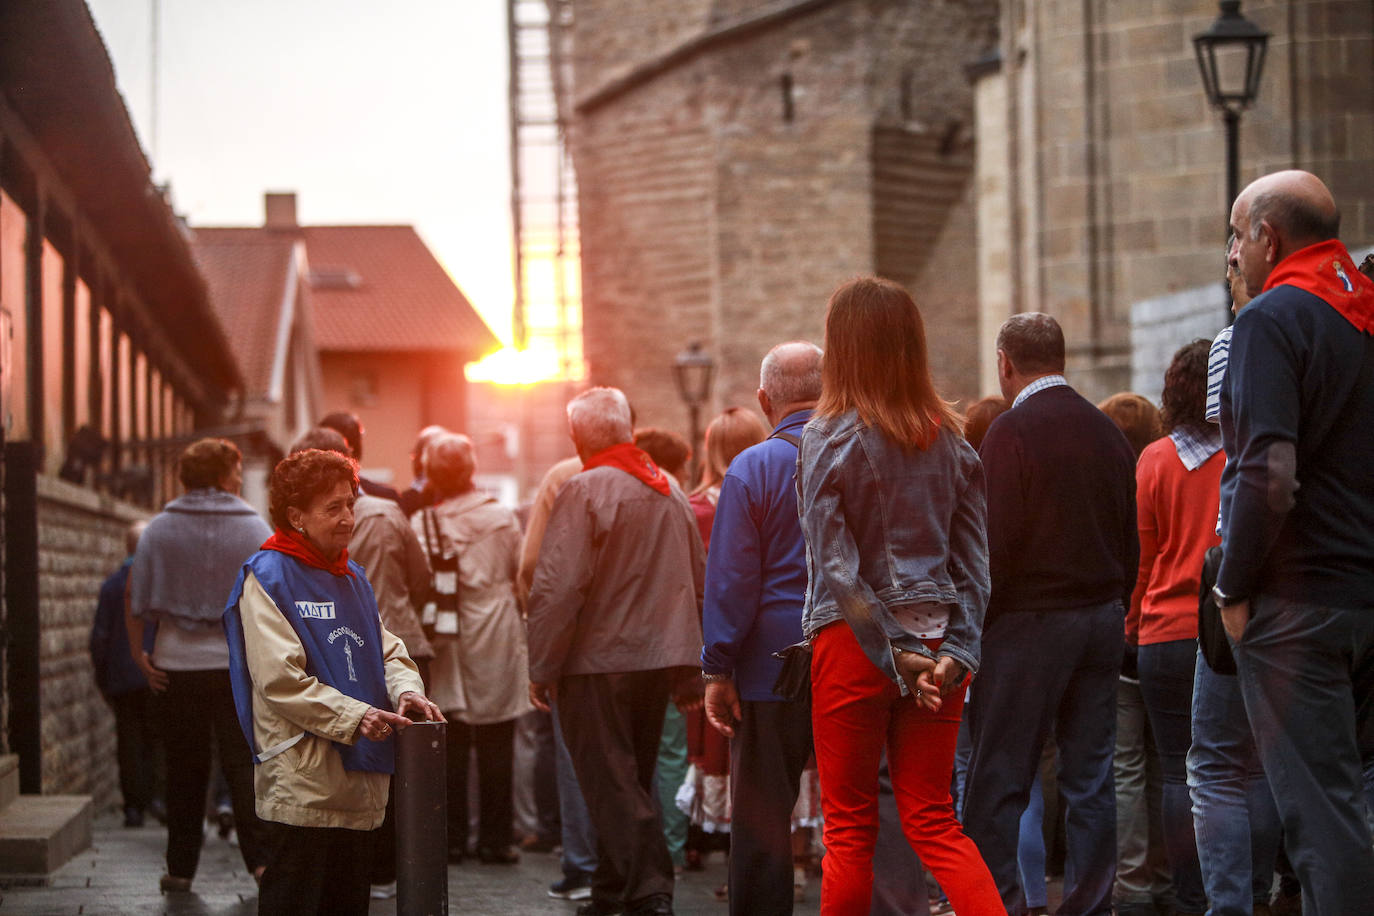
point(725, 198)
point(80, 542)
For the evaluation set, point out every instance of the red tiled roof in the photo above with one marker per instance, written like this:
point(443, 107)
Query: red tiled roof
point(403, 299)
point(246, 271)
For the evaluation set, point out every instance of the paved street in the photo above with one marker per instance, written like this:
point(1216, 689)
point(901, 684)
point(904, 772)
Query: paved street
point(119, 874)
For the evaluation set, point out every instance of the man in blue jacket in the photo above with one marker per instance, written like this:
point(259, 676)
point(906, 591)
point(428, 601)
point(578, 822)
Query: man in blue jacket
point(1296, 584)
point(755, 589)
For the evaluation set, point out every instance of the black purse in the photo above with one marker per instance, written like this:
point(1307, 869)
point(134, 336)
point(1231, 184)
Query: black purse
point(794, 680)
point(1211, 635)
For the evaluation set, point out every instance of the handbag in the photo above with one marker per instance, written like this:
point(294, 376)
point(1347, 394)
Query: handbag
point(439, 616)
point(794, 680)
point(1211, 635)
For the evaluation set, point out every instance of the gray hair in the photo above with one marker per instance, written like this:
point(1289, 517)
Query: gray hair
point(1033, 341)
point(450, 461)
point(791, 373)
point(1303, 219)
point(600, 418)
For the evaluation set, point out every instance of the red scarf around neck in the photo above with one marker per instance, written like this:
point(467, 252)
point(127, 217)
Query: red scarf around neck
point(634, 461)
point(295, 545)
point(1327, 271)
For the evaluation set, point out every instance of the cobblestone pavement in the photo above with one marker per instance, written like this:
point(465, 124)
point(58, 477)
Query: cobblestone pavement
point(120, 872)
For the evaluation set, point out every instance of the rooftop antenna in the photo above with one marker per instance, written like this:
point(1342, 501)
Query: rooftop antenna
point(152, 78)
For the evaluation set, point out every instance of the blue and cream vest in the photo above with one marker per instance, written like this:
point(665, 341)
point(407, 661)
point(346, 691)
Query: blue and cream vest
point(336, 620)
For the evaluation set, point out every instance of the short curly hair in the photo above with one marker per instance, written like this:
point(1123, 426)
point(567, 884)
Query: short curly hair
point(205, 463)
point(301, 477)
point(1135, 416)
point(1184, 401)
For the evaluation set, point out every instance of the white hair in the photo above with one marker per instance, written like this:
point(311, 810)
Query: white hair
point(791, 373)
point(600, 418)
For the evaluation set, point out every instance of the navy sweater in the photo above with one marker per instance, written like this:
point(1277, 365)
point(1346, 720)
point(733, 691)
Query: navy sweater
point(1299, 373)
point(1061, 506)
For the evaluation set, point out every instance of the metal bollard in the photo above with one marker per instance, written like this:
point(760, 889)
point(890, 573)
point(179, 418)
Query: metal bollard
point(421, 826)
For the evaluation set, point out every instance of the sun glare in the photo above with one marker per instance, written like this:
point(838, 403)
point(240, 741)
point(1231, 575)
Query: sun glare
point(509, 366)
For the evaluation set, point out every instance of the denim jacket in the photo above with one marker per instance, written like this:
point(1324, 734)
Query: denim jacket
point(886, 527)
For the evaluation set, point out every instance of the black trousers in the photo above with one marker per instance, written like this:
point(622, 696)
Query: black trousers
point(770, 749)
point(495, 746)
point(322, 870)
point(612, 724)
point(135, 746)
point(196, 711)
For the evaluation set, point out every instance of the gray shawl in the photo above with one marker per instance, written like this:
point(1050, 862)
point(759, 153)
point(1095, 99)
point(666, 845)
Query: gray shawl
point(190, 555)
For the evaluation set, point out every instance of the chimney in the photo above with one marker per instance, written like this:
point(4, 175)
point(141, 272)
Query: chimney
point(280, 208)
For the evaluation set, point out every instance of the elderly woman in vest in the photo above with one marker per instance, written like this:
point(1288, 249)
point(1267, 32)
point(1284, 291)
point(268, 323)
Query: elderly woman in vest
point(321, 687)
point(480, 667)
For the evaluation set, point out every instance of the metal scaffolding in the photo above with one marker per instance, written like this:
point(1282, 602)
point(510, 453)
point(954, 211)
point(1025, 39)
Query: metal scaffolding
point(548, 305)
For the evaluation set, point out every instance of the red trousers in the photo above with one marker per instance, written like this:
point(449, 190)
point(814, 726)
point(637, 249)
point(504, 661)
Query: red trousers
point(855, 712)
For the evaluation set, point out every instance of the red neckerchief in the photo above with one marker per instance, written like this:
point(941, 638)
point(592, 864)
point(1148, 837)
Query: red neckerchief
point(1326, 271)
point(634, 461)
point(293, 545)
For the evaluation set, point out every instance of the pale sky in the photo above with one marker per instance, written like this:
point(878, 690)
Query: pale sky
point(371, 112)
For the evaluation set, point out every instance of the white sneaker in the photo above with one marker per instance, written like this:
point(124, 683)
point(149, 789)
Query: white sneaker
point(384, 891)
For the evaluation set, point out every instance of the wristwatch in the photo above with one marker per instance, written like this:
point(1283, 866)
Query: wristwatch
point(710, 678)
point(1224, 600)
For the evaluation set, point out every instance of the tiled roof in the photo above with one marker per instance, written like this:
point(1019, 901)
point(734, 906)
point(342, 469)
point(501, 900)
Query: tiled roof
point(246, 270)
point(380, 288)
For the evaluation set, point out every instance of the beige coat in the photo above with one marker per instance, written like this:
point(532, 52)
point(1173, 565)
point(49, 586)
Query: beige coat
point(480, 676)
point(384, 545)
point(306, 785)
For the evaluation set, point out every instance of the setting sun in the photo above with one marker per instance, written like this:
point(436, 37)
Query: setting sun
point(509, 366)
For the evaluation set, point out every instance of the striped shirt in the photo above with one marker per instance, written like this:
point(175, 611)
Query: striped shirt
point(1217, 359)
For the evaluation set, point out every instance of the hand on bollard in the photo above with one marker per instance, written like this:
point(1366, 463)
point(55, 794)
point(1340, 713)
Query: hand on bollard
point(411, 702)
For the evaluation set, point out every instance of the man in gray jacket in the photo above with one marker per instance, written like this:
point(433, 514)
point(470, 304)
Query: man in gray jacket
point(614, 626)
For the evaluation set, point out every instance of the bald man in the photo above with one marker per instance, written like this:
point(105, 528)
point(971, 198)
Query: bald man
point(1296, 583)
point(755, 589)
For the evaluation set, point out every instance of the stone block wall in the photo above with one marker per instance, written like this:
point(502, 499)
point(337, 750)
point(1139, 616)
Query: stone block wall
point(80, 542)
point(723, 199)
point(1121, 163)
point(1159, 326)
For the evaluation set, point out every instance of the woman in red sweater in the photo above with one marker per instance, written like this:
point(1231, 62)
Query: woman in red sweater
point(1177, 482)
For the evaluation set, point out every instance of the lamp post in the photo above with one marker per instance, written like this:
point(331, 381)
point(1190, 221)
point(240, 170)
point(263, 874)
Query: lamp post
point(1230, 55)
point(694, 370)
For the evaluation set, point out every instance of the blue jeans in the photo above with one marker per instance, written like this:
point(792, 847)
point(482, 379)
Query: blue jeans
point(668, 778)
point(579, 837)
point(1234, 816)
point(1307, 676)
point(1030, 848)
point(1166, 684)
point(1047, 673)
point(1142, 871)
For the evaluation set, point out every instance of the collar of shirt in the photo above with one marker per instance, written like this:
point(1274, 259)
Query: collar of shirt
point(795, 418)
point(1040, 384)
point(1196, 444)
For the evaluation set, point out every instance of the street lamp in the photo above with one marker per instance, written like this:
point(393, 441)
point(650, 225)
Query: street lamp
point(1230, 55)
point(693, 370)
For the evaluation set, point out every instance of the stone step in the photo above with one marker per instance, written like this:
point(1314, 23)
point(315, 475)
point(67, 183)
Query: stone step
point(9, 779)
point(38, 833)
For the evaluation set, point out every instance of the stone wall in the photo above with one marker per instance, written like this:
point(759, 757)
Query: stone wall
point(1119, 164)
point(725, 197)
point(80, 542)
